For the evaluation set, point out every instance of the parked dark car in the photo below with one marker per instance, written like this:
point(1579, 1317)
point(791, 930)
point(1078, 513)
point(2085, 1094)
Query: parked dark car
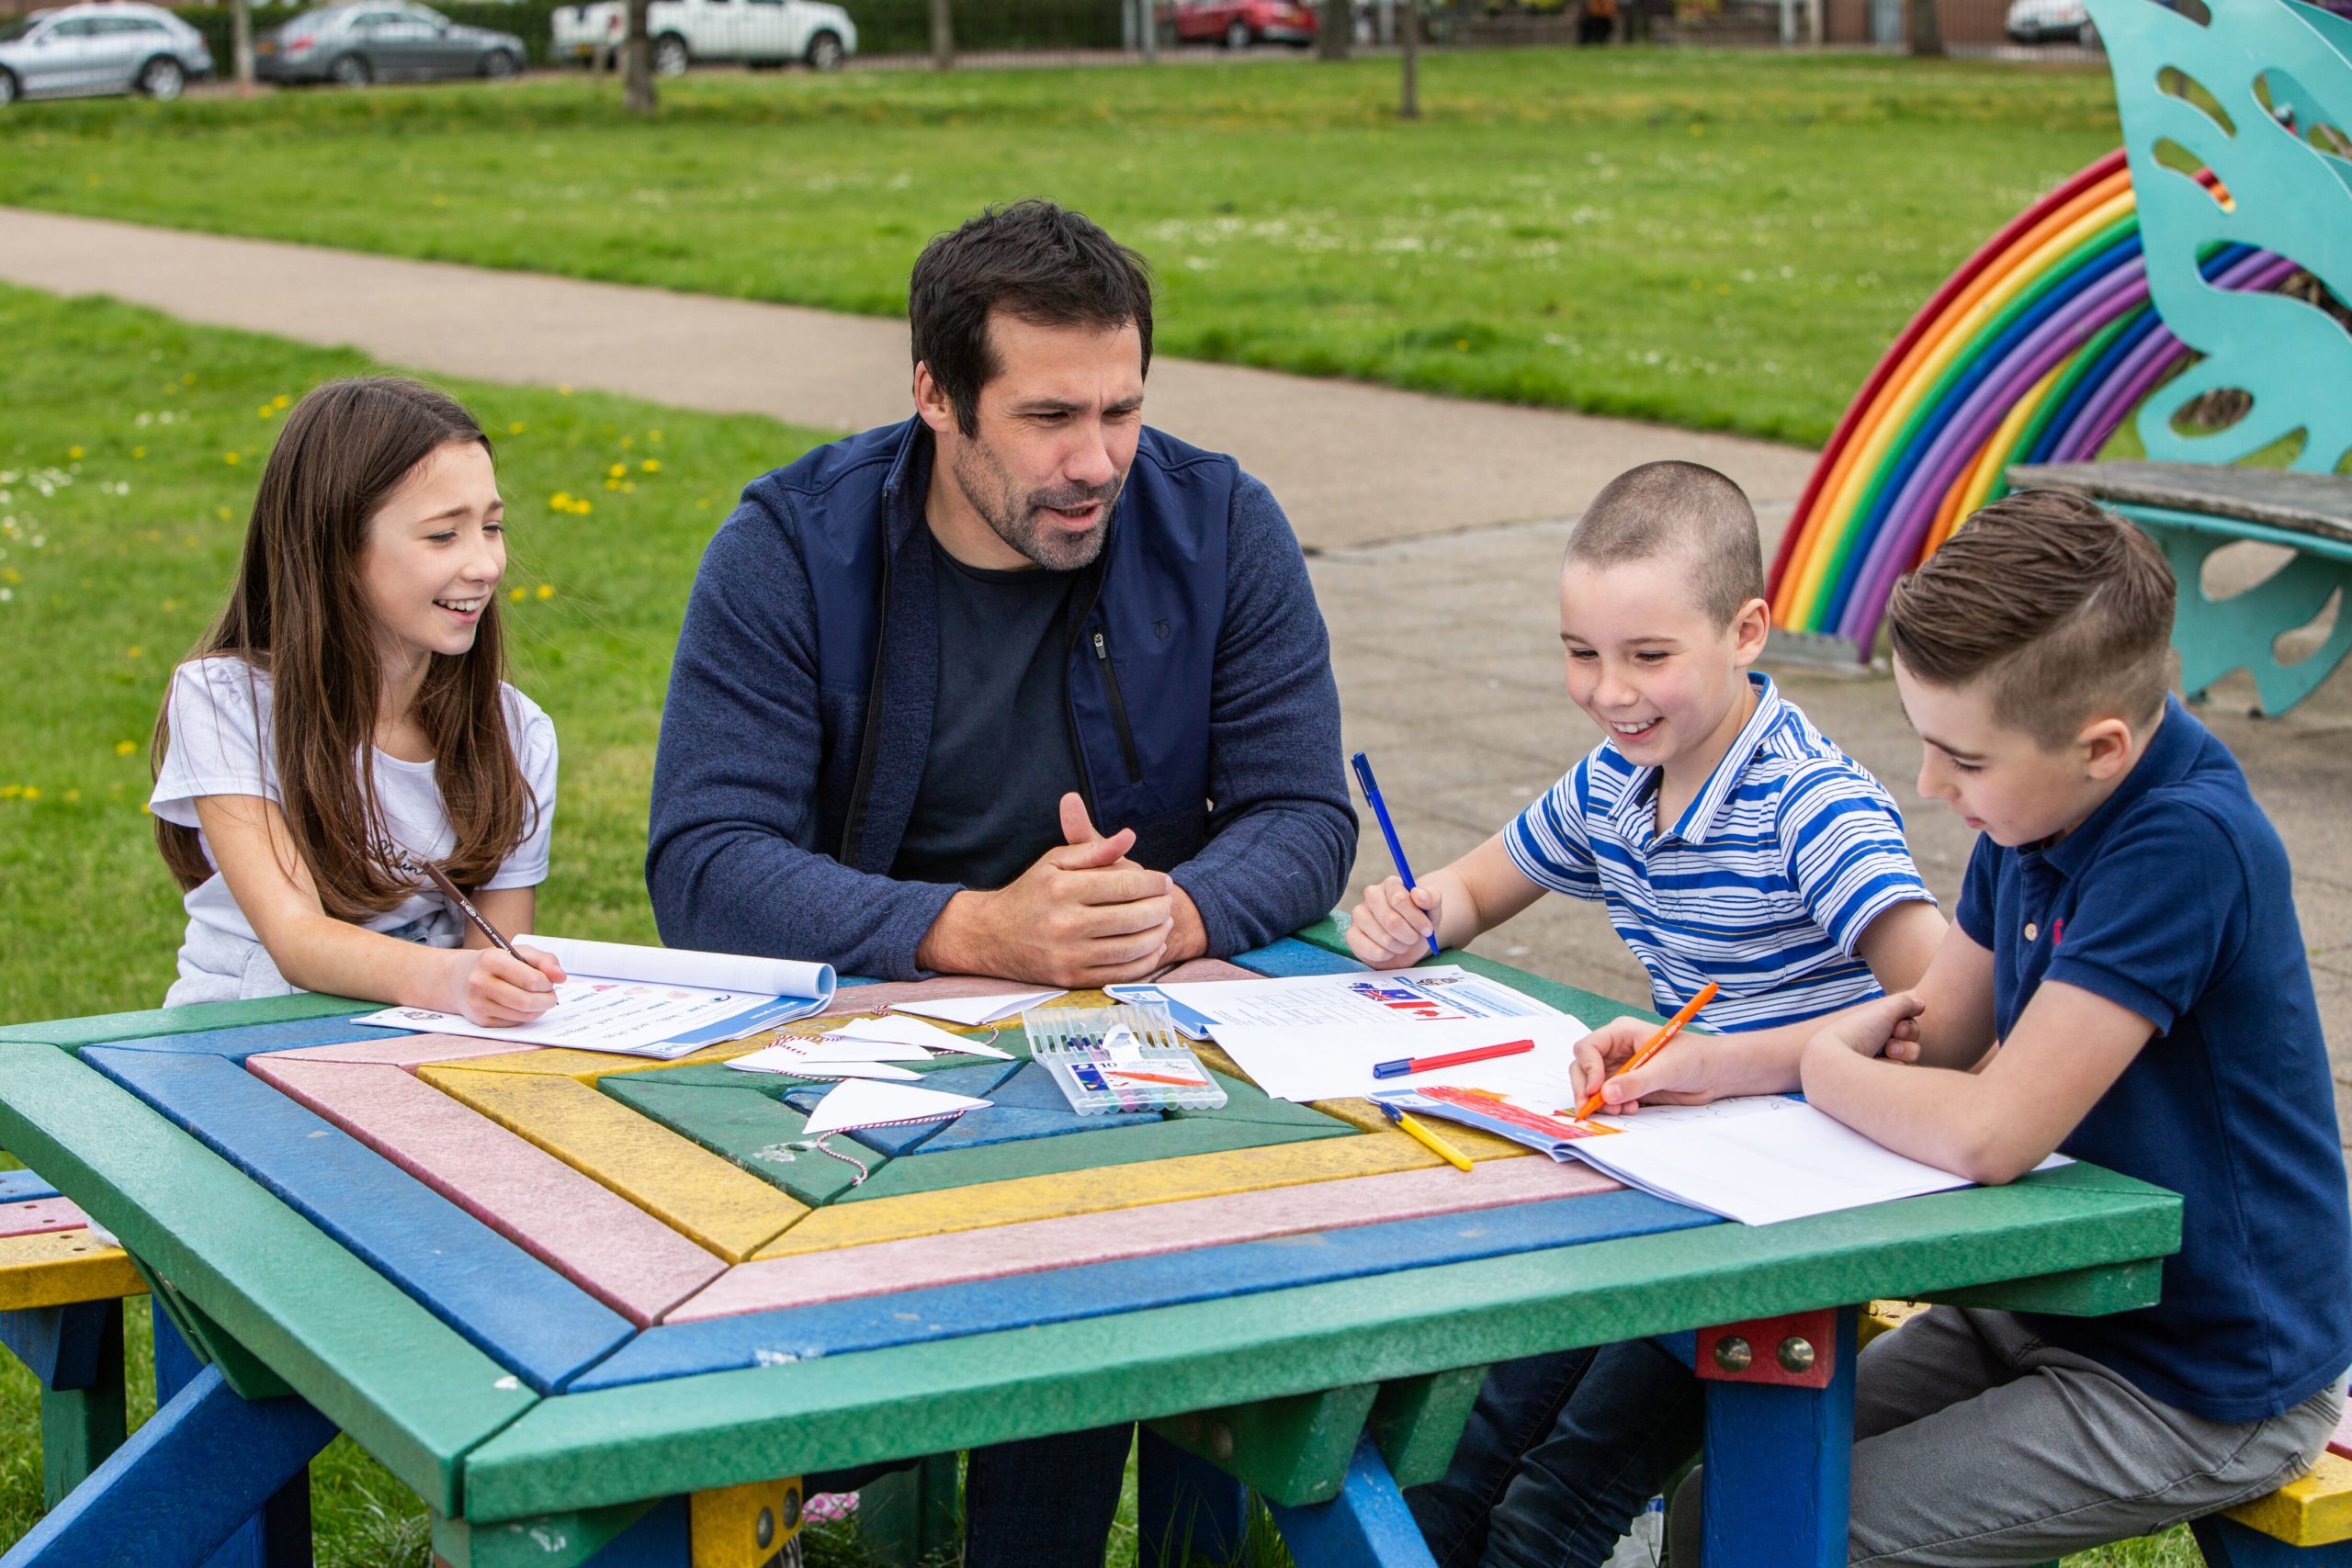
point(1237, 23)
point(106, 48)
point(354, 45)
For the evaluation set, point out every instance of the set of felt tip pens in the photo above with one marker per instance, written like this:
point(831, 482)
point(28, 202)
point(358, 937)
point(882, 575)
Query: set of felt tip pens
point(1120, 1058)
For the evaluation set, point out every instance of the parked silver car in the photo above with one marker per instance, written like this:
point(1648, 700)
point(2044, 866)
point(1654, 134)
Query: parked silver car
point(112, 46)
point(352, 45)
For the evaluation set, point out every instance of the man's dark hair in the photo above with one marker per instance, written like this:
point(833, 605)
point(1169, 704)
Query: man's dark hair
point(1042, 263)
point(2062, 610)
point(1688, 508)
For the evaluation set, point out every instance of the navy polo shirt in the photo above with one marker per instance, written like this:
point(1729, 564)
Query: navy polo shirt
point(2171, 900)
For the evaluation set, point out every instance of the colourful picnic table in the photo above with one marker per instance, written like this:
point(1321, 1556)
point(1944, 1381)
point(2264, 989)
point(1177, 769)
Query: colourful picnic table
point(595, 1310)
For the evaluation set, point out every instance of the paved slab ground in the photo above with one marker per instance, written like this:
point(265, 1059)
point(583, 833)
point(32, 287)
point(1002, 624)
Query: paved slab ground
point(1440, 598)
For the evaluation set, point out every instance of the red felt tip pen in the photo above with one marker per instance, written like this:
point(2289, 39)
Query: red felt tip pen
point(1398, 1068)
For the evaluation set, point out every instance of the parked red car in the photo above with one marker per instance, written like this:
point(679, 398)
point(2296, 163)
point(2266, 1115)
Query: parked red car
point(1240, 23)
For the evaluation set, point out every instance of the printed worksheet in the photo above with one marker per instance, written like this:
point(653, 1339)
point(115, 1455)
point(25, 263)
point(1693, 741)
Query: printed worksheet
point(1442, 993)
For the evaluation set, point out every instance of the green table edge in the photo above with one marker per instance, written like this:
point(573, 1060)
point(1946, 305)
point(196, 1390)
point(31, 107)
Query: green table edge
point(716, 1430)
point(404, 1385)
point(76, 1033)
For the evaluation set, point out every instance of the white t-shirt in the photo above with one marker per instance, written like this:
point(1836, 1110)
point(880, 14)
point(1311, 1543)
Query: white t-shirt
point(219, 713)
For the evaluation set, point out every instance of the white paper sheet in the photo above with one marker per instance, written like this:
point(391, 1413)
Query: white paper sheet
point(859, 1103)
point(791, 1064)
point(973, 1011)
point(1439, 994)
point(912, 1031)
point(644, 1001)
point(1757, 1160)
point(1335, 1062)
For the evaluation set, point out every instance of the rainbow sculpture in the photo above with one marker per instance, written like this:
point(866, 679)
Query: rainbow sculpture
point(2034, 351)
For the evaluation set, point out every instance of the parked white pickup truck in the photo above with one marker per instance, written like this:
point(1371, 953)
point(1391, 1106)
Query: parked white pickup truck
point(758, 32)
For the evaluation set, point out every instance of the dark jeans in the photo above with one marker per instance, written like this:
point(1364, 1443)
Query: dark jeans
point(1039, 1503)
point(1561, 1452)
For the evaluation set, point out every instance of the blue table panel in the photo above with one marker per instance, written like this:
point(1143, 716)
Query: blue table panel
point(236, 1044)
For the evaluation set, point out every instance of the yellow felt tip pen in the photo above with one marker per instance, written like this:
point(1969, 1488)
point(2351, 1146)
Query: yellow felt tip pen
point(1423, 1136)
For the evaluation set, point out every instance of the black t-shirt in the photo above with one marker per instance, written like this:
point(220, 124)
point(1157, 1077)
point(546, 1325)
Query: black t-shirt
point(1000, 755)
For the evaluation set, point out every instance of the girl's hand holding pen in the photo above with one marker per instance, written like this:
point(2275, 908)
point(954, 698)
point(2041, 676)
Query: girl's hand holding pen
point(1392, 926)
point(499, 989)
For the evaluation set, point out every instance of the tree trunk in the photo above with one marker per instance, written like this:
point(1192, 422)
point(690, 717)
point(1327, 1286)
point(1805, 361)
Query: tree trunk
point(1927, 35)
point(240, 45)
point(1335, 30)
point(636, 60)
point(1409, 23)
point(942, 35)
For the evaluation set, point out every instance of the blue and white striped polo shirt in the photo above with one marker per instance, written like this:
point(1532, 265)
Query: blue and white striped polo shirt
point(1765, 885)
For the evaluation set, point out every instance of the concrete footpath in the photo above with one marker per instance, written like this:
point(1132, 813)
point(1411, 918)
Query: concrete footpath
point(1435, 525)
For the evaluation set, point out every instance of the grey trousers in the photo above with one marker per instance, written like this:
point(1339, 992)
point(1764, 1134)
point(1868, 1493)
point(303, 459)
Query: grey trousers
point(1976, 1444)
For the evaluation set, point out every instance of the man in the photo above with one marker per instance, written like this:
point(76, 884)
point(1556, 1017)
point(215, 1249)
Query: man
point(921, 665)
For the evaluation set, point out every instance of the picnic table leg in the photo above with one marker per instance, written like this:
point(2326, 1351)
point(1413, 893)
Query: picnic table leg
point(1366, 1526)
point(1780, 1440)
point(1185, 1508)
point(279, 1534)
point(75, 1352)
point(184, 1483)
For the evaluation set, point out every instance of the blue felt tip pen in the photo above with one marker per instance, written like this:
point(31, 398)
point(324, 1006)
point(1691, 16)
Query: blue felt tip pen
point(1388, 829)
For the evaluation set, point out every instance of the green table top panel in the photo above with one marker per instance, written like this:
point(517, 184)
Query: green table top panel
point(407, 1387)
point(619, 1444)
point(1082, 1151)
point(747, 1127)
point(78, 1032)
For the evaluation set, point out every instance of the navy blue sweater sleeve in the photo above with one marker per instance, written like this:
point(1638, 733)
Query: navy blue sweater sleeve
point(1282, 833)
point(728, 856)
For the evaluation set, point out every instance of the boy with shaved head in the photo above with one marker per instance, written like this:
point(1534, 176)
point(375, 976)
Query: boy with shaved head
point(1729, 841)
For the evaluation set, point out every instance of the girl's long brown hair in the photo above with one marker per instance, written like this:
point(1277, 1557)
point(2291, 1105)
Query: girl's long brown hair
point(299, 612)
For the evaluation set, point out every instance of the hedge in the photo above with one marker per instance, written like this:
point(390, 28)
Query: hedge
point(884, 27)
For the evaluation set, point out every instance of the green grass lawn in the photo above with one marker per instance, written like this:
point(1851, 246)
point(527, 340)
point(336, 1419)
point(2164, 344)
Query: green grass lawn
point(1717, 240)
point(126, 468)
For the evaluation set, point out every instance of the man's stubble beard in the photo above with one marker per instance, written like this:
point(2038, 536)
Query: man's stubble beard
point(989, 490)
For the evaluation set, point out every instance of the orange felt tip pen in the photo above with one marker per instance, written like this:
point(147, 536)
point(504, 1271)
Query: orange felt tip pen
point(1673, 1027)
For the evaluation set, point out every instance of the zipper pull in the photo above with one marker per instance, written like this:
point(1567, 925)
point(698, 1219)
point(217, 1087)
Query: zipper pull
point(1102, 648)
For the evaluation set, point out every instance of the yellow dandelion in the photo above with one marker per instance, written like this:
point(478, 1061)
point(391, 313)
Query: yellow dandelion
point(73, 454)
point(651, 464)
point(515, 428)
point(145, 810)
point(654, 435)
point(264, 412)
point(281, 400)
point(72, 796)
point(546, 591)
point(439, 199)
point(616, 470)
point(231, 458)
point(629, 487)
point(562, 389)
point(627, 442)
point(222, 512)
point(514, 595)
point(126, 748)
point(582, 507)
point(187, 378)
point(10, 792)
point(138, 452)
point(612, 484)
point(134, 651)
point(32, 792)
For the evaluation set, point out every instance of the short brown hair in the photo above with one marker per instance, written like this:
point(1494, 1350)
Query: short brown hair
point(1645, 512)
point(2062, 609)
point(1042, 263)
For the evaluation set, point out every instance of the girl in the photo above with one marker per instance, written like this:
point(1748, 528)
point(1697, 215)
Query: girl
point(346, 715)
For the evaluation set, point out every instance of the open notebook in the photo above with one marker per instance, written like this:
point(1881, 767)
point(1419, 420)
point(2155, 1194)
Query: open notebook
point(1756, 1159)
point(646, 1001)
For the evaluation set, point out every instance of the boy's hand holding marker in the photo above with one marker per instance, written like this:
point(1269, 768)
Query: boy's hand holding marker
point(1700, 1068)
point(1393, 926)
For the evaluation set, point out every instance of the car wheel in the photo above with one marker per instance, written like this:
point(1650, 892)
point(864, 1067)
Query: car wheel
point(350, 70)
point(825, 52)
point(7, 89)
point(162, 78)
point(670, 56)
point(1237, 34)
point(498, 64)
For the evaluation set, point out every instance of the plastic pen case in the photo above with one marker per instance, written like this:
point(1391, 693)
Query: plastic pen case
point(1119, 1058)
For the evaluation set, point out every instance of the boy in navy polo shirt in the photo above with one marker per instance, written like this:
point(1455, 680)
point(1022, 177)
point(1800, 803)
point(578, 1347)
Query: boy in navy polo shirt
point(2125, 983)
point(1729, 841)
